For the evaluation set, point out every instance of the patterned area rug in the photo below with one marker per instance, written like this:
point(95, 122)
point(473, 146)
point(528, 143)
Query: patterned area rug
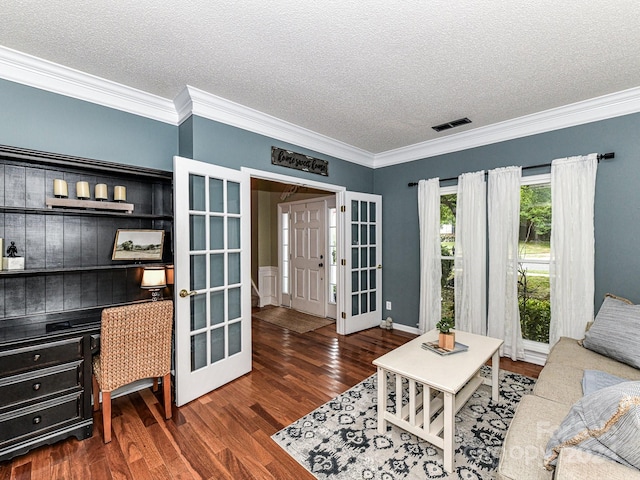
point(286, 318)
point(339, 440)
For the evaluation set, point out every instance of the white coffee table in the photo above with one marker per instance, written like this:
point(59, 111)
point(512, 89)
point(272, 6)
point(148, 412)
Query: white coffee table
point(448, 382)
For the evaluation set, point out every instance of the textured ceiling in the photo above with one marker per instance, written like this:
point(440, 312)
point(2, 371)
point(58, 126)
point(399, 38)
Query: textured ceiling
point(375, 75)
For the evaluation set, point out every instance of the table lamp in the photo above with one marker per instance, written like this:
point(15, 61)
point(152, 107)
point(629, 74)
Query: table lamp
point(154, 279)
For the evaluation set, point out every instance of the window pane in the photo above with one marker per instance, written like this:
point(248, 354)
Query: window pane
point(234, 268)
point(363, 235)
point(216, 195)
point(354, 281)
point(217, 307)
point(364, 212)
point(533, 268)
point(198, 351)
point(196, 192)
point(233, 224)
point(448, 223)
point(198, 312)
point(216, 233)
point(217, 270)
point(235, 338)
point(354, 258)
point(233, 197)
point(354, 304)
point(196, 232)
point(217, 344)
point(372, 212)
point(198, 272)
point(354, 210)
point(234, 303)
point(354, 234)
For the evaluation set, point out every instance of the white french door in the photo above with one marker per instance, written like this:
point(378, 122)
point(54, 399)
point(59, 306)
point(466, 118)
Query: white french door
point(360, 238)
point(212, 277)
point(307, 245)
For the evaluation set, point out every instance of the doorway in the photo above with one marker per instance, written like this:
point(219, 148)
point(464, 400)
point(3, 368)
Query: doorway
point(290, 246)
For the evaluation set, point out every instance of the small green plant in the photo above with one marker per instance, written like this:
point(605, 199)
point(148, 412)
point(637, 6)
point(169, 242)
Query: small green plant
point(445, 324)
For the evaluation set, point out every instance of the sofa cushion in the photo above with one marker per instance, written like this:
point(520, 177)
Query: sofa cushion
point(560, 383)
point(574, 464)
point(616, 331)
point(522, 454)
point(606, 423)
point(568, 352)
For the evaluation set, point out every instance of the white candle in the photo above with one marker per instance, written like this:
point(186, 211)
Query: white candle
point(101, 191)
point(60, 188)
point(119, 193)
point(82, 190)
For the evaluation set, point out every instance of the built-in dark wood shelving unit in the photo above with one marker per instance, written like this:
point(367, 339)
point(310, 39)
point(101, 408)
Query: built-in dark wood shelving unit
point(50, 311)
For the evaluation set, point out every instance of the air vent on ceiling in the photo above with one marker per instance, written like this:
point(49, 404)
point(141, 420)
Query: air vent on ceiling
point(448, 125)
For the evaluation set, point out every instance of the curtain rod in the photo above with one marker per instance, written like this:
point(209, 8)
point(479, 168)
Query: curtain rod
point(601, 156)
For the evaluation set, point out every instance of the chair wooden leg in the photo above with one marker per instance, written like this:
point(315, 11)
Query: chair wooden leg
point(106, 416)
point(96, 394)
point(155, 384)
point(166, 386)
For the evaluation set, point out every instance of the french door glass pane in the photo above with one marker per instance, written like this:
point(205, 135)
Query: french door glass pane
point(355, 286)
point(363, 303)
point(217, 344)
point(354, 234)
point(233, 197)
point(234, 303)
point(235, 338)
point(354, 210)
point(198, 279)
point(217, 270)
point(217, 307)
point(198, 351)
point(196, 232)
point(216, 195)
point(198, 312)
point(354, 258)
point(216, 235)
point(363, 212)
point(354, 304)
point(372, 211)
point(196, 193)
point(234, 268)
point(233, 236)
point(372, 301)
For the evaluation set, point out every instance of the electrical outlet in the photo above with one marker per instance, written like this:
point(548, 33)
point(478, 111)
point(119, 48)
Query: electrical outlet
point(388, 305)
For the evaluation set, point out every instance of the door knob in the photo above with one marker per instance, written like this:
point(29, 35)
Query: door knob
point(183, 293)
point(321, 264)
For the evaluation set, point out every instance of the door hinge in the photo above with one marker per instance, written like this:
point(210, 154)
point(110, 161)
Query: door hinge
point(343, 262)
point(343, 208)
point(344, 315)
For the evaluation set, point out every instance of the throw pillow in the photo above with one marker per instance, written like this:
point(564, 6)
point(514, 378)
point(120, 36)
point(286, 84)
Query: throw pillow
point(616, 331)
point(605, 423)
point(594, 380)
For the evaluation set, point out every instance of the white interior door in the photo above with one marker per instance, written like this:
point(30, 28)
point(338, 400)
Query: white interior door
point(212, 276)
point(360, 238)
point(308, 248)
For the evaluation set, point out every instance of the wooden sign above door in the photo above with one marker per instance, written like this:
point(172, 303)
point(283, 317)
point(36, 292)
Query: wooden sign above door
point(289, 159)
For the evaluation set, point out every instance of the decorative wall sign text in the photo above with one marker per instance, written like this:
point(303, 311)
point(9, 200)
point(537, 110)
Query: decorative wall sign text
point(287, 158)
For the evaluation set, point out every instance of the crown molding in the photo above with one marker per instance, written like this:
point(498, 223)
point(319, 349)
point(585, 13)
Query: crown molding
point(600, 108)
point(35, 72)
point(193, 101)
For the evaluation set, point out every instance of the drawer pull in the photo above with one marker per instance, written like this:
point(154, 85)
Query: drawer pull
point(37, 420)
point(36, 357)
point(36, 386)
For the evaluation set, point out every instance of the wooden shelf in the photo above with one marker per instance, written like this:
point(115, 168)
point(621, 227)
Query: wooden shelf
point(74, 203)
point(83, 212)
point(49, 271)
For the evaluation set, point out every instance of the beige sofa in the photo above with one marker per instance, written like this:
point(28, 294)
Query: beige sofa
point(538, 415)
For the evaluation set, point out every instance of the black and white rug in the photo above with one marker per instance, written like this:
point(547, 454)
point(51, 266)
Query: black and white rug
point(339, 440)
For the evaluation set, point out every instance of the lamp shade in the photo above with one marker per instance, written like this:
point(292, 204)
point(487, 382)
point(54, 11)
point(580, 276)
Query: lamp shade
point(169, 274)
point(153, 278)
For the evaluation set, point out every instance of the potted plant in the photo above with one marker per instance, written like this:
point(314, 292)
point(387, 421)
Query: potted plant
point(446, 339)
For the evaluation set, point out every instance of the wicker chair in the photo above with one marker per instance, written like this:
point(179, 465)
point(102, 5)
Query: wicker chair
point(135, 343)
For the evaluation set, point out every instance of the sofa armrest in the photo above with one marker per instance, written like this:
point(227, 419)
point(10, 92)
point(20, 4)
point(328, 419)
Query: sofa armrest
point(575, 464)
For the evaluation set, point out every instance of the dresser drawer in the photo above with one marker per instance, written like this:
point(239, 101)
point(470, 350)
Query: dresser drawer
point(39, 417)
point(39, 384)
point(37, 356)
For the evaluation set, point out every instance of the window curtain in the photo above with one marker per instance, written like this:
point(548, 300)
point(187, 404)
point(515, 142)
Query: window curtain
point(430, 261)
point(503, 205)
point(571, 269)
point(470, 254)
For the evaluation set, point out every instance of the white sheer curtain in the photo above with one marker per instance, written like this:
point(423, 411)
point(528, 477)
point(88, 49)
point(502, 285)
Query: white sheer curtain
point(571, 270)
point(503, 205)
point(430, 262)
point(470, 254)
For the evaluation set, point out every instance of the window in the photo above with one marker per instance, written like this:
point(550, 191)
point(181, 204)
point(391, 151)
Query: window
point(285, 252)
point(448, 197)
point(333, 255)
point(534, 254)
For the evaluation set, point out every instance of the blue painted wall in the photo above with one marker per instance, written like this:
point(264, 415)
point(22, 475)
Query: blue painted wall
point(40, 120)
point(228, 146)
point(617, 209)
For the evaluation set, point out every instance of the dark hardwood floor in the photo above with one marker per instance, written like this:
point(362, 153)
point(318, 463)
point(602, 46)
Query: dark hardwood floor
point(226, 433)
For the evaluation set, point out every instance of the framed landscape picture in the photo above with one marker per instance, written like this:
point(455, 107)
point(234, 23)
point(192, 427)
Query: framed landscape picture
point(136, 244)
